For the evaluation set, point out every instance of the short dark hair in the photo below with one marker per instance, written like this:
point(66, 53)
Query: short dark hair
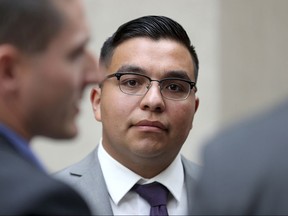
point(29, 25)
point(154, 27)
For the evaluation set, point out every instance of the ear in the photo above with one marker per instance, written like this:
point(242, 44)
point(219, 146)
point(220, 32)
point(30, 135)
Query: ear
point(95, 98)
point(197, 101)
point(9, 57)
point(195, 109)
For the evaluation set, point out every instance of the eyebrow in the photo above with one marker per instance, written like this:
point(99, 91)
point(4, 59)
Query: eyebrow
point(178, 74)
point(132, 68)
point(167, 74)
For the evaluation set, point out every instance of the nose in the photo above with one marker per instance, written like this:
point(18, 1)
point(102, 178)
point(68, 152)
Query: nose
point(93, 75)
point(153, 99)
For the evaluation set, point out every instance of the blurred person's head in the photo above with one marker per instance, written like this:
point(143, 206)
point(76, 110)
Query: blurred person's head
point(44, 66)
point(147, 102)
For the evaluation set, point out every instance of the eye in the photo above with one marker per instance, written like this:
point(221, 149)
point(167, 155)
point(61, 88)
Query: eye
point(132, 81)
point(175, 86)
point(77, 53)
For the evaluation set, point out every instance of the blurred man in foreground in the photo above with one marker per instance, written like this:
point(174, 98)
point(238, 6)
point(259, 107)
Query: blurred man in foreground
point(44, 68)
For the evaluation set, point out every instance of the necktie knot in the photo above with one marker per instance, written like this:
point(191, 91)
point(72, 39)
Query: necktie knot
point(155, 194)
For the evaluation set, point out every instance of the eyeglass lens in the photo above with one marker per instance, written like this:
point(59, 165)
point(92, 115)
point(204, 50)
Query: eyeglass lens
point(136, 84)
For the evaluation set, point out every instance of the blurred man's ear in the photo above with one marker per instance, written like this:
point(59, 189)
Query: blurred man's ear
point(95, 98)
point(9, 57)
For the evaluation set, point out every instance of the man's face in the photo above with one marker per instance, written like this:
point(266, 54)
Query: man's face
point(149, 128)
point(54, 80)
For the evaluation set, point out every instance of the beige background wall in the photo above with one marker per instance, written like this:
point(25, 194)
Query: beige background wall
point(243, 54)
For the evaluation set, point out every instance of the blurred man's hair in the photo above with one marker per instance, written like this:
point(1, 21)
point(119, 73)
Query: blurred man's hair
point(29, 25)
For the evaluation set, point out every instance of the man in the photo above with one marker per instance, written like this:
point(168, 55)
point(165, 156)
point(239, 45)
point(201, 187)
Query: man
point(246, 168)
point(44, 68)
point(146, 105)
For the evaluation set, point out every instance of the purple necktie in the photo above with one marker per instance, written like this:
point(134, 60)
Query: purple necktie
point(156, 195)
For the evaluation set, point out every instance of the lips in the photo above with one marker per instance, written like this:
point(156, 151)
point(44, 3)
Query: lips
point(151, 124)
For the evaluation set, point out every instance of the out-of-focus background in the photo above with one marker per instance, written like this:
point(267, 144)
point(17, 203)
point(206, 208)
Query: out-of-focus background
point(243, 52)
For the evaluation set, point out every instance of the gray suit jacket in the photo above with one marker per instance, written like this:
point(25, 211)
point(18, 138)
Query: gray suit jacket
point(245, 170)
point(87, 178)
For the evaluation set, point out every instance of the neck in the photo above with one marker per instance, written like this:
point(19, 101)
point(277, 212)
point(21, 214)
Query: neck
point(11, 121)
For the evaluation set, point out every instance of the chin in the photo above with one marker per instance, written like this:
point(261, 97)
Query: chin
point(66, 133)
point(149, 152)
point(71, 134)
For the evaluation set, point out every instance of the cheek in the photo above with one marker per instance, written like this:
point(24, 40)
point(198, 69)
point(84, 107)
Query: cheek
point(58, 75)
point(62, 89)
point(183, 118)
point(63, 72)
point(57, 92)
point(115, 108)
point(52, 85)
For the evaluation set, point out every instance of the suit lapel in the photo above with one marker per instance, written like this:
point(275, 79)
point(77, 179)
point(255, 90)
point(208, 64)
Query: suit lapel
point(89, 173)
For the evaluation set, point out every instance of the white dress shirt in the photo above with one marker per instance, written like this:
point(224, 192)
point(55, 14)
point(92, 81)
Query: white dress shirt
point(120, 180)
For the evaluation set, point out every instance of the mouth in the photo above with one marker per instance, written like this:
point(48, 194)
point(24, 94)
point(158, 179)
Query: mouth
point(151, 125)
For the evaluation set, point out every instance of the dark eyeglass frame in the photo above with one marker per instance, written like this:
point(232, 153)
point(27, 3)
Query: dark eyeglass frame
point(119, 74)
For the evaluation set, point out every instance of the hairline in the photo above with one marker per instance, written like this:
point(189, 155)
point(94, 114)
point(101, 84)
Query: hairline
point(108, 59)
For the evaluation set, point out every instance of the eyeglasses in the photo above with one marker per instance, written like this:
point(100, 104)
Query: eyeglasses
point(139, 84)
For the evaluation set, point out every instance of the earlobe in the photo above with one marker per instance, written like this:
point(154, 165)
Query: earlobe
point(95, 98)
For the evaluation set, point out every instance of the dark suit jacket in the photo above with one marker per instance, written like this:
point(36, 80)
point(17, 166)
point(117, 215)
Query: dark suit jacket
point(246, 169)
point(26, 190)
point(86, 176)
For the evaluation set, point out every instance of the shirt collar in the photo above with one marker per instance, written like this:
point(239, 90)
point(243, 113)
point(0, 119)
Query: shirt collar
point(172, 177)
point(120, 180)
